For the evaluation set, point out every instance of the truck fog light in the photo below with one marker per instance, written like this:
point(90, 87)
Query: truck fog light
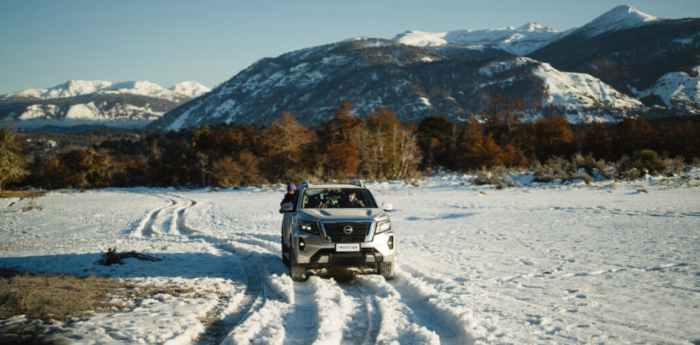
point(323, 259)
point(302, 244)
point(369, 258)
point(390, 243)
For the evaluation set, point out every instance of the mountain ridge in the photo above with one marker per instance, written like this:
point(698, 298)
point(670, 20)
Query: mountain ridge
point(412, 81)
point(75, 88)
point(96, 102)
point(529, 37)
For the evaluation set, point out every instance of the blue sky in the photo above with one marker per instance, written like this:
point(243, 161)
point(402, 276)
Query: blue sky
point(45, 43)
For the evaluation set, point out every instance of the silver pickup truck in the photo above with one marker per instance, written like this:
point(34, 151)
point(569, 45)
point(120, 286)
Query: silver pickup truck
point(336, 225)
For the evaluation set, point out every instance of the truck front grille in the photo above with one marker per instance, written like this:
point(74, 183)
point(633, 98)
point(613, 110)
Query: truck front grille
point(336, 234)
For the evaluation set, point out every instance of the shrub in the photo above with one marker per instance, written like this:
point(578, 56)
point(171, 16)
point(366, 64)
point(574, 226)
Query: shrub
point(558, 168)
point(675, 166)
point(641, 162)
point(490, 176)
point(589, 163)
point(227, 173)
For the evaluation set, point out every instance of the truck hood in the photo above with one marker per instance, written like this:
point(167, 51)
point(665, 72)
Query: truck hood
point(359, 214)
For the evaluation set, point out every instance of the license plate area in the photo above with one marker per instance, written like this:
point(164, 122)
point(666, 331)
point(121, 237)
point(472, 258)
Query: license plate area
point(347, 247)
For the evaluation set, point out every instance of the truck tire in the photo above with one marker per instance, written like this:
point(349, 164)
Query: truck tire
point(298, 272)
point(386, 270)
point(285, 255)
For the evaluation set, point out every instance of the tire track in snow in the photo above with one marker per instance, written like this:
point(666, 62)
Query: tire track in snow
point(241, 326)
point(178, 225)
point(319, 310)
point(302, 323)
point(253, 298)
point(424, 316)
point(413, 311)
point(367, 318)
point(253, 278)
point(145, 227)
point(306, 324)
point(259, 320)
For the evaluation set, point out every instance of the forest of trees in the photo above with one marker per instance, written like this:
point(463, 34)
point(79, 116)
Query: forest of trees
point(378, 147)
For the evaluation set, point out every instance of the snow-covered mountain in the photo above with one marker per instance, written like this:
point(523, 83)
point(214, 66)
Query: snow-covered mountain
point(677, 90)
point(75, 88)
point(520, 41)
point(92, 102)
point(412, 81)
point(587, 74)
point(529, 37)
point(619, 18)
point(626, 49)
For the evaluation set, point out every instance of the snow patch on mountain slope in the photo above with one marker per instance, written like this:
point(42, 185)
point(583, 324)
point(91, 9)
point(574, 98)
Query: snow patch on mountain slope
point(83, 112)
point(38, 111)
point(180, 121)
point(225, 108)
point(369, 42)
point(191, 89)
point(422, 38)
point(579, 90)
point(502, 66)
point(677, 89)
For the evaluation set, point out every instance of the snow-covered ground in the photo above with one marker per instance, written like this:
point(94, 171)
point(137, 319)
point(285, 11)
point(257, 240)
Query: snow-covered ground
point(609, 262)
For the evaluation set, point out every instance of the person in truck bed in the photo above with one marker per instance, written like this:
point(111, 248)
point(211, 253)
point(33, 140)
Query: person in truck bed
point(289, 197)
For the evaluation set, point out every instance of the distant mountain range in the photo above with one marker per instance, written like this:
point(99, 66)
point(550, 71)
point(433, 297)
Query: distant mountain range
point(622, 63)
point(95, 102)
point(529, 37)
point(601, 71)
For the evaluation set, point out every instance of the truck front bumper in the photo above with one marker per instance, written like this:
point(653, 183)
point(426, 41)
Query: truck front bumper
point(318, 254)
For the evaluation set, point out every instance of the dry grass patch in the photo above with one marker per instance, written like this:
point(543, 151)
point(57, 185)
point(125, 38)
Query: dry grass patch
point(61, 297)
point(56, 297)
point(24, 243)
point(21, 194)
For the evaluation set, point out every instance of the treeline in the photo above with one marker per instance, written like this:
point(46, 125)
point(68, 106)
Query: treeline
point(377, 147)
point(502, 139)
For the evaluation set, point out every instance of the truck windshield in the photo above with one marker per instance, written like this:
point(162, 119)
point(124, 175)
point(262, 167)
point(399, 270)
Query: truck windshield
point(337, 198)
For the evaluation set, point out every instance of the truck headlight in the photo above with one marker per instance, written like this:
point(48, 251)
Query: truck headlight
point(309, 227)
point(383, 226)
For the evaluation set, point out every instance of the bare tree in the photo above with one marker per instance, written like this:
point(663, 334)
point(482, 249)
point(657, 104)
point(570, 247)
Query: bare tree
point(203, 166)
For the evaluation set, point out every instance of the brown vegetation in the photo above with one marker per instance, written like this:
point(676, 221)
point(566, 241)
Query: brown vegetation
point(377, 147)
point(21, 194)
point(57, 297)
point(61, 297)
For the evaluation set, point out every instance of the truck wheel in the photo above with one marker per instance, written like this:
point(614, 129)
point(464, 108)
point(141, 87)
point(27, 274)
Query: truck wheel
point(286, 254)
point(386, 270)
point(298, 272)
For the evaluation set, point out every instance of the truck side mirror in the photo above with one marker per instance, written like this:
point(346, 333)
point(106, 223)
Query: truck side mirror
point(387, 206)
point(287, 207)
